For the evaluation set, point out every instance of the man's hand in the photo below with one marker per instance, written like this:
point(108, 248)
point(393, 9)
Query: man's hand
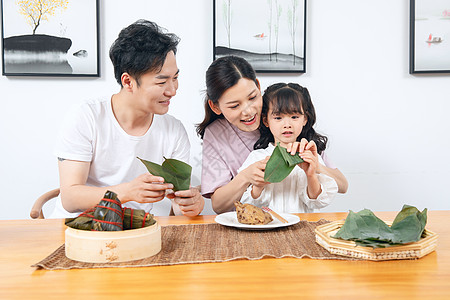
point(190, 202)
point(145, 188)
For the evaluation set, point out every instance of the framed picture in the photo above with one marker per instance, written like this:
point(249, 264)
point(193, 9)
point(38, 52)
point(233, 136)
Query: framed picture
point(50, 38)
point(270, 35)
point(429, 36)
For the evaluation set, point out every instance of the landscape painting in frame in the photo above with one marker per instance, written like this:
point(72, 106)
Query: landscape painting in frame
point(430, 36)
point(269, 34)
point(50, 38)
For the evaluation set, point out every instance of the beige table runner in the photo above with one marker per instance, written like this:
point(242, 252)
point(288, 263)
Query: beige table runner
point(203, 243)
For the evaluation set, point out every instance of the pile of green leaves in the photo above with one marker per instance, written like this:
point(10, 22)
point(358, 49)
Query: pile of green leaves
point(369, 231)
point(280, 164)
point(173, 171)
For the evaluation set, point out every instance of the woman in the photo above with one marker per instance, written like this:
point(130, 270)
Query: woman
point(233, 105)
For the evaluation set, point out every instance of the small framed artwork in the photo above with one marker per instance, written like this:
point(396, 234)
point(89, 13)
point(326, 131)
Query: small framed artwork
point(429, 36)
point(50, 38)
point(270, 35)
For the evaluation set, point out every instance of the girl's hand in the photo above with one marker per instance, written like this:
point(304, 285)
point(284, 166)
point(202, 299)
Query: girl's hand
point(302, 146)
point(254, 174)
point(310, 163)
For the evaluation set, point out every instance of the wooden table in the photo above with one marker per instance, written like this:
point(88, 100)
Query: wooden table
point(25, 242)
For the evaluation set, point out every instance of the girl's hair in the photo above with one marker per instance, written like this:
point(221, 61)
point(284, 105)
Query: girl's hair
point(221, 75)
point(289, 98)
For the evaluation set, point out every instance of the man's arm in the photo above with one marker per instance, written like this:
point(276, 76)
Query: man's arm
point(77, 196)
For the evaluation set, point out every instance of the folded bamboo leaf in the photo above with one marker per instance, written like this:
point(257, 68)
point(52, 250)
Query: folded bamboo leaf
point(291, 160)
point(153, 168)
point(369, 231)
point(280, 164)
point(178, 167)
point(173, 171)
point(276, 168)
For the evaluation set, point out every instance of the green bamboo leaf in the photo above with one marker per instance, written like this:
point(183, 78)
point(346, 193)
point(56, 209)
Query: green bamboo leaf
point(153, 168)
point(291, 160)
point(177, 167)
point(173, 171)
point(276, 168)
point(369, 231)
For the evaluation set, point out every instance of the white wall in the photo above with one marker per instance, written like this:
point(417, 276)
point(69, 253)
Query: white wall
point(388, 129)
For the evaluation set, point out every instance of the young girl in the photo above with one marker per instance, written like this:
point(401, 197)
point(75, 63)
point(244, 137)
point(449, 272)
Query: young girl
point(288, 117)
point(229, 130)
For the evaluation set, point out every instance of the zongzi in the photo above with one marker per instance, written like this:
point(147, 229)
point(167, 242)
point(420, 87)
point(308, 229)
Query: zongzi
point(252, 215)
point(108, 214)
point(136, 218)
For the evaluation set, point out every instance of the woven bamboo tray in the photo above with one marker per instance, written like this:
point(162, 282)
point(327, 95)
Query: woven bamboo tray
point(112, 246)
point(348, 248)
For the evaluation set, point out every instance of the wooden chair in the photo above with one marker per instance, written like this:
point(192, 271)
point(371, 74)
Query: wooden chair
point(36, 210)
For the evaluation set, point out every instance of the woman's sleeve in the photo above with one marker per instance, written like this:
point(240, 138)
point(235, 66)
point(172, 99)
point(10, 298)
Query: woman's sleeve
point(215, 172)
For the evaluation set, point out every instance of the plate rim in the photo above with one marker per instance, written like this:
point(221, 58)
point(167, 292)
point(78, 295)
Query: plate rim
point(256, 227)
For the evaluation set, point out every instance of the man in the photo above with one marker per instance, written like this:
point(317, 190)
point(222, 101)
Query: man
point(98, 145)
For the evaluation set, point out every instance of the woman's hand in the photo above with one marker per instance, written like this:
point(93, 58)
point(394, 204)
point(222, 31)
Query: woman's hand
point(145, 188)
point(190, 202)
point(254, 174)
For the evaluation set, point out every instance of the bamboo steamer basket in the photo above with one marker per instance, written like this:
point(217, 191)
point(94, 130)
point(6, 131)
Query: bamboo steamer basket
point(424, 246)
point(112, 246)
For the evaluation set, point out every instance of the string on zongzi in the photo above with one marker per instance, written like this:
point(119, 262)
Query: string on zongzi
point(108, 214)
point(136, 218)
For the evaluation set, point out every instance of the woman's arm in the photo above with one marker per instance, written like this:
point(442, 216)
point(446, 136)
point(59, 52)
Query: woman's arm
point(336, 175)
point(223, 198)
point(333, 173)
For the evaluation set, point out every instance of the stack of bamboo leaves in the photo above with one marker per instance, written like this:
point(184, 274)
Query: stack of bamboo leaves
point(369, 231)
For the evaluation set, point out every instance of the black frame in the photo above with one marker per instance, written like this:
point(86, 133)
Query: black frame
point(412, 43)
point(96, 74)
point(302, 70)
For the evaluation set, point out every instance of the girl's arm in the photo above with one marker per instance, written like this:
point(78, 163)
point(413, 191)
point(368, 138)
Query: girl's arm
point(333, 173)
point(310, 166)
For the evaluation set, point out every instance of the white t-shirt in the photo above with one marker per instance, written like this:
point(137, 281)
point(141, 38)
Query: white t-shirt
point(92, 134)
point(289, 195)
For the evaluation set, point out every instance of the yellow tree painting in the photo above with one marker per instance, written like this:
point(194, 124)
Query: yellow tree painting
point(37, 11)
point(49, 38)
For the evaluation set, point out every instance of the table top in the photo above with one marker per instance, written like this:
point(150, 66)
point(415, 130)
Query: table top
point(25, 242)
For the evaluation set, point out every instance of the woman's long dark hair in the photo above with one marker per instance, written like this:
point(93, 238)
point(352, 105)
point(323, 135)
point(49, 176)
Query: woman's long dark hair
point(221, 75)
point(289, 98)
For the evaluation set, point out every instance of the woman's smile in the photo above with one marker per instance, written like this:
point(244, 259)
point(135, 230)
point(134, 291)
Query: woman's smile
point(249, 121)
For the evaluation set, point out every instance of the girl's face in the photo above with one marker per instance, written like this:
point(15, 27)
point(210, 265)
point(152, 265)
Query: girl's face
point(241, 105)
point(285, 127)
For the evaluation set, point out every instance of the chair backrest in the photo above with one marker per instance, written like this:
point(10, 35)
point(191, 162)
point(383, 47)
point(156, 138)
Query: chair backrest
point(36, 210)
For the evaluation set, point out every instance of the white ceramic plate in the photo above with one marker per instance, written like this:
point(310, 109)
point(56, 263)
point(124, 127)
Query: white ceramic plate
point(230, 219)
